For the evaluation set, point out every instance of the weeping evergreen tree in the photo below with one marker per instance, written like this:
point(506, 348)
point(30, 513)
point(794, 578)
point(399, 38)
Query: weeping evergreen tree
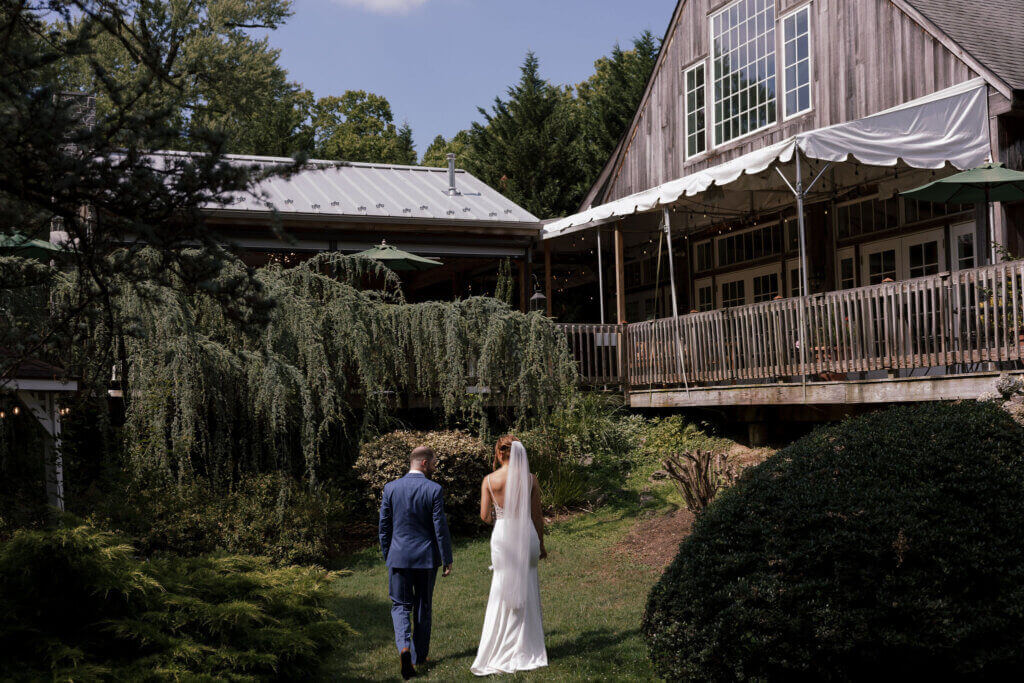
point(214, 398)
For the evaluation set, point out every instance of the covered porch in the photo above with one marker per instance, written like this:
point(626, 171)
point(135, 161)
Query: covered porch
point(797, 274)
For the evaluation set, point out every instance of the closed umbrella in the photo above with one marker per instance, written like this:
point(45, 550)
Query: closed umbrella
point(398, 260)
point(17, 244)
point(985, 184)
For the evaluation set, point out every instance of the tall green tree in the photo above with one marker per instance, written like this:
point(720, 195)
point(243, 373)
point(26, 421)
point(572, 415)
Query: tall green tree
point(608, 100)
point(359, 126)
point(220, 77)
point(525, 148)
point(95, 180)
point(436, 155)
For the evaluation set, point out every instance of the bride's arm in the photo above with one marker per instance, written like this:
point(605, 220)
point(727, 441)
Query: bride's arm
point(486, 513)
point(537, 513)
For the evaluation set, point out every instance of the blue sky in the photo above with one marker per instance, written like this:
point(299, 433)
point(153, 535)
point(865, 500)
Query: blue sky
point(438, 60)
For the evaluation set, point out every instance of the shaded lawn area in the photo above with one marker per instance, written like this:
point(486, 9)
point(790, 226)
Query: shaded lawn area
point(592, 594)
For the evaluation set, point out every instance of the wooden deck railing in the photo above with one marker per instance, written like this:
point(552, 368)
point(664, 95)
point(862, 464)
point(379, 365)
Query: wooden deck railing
point(954, 319)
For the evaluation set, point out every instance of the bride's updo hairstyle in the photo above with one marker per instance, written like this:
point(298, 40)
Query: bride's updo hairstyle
point(502, 449)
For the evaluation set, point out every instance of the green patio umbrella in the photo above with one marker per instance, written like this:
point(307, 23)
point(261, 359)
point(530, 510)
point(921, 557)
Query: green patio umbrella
point(396, 259)
point(17, 244)
point(982, 185)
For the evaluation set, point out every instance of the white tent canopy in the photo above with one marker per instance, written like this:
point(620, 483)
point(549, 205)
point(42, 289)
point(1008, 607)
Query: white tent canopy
point(946, 127)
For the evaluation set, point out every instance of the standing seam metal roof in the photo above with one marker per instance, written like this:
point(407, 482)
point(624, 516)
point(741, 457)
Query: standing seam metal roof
point(350, 189)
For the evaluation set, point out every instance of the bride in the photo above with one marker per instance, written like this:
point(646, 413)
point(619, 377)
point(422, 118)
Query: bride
point(513, 635)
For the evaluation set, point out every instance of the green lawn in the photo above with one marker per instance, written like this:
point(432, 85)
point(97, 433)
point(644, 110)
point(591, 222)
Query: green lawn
point(592, 598)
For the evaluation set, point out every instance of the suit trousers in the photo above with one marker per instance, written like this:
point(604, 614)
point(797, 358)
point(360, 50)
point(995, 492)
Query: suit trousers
point(412, 594)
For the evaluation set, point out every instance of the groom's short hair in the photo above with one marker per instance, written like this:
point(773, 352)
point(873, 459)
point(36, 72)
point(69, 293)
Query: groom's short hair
point(421, 453)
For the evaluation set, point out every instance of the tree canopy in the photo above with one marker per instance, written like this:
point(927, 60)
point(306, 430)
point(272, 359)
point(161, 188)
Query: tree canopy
point(359, 126)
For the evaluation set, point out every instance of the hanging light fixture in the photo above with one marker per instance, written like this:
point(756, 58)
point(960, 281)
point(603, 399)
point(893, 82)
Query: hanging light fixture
point(538, 301)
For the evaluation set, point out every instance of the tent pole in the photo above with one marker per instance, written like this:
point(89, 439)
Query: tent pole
point(803, 273)
point(675, 304)
point(600, 276)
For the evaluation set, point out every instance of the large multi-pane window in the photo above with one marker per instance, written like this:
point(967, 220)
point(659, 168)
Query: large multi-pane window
point(696, 129)
point(743, 68)
point(705, 298)
point(868, 216)
point(705, 256)
point(750, 245)
point(796, 52)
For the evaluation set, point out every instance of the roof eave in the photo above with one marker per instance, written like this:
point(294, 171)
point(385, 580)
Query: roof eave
point(524, 227)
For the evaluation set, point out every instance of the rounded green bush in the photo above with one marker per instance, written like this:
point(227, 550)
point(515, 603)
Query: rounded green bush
point(890, 544)
point(463, 461)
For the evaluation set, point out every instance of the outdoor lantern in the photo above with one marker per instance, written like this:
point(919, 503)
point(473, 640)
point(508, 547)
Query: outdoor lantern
point(538, 301)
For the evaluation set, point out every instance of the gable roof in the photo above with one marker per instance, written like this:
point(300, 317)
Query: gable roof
point(989, 31)
point(970, 28)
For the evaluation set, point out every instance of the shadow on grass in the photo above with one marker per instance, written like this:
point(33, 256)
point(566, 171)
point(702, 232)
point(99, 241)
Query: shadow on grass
point(371, 619)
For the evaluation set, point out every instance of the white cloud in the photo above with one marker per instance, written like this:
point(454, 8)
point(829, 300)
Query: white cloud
point(384, 6)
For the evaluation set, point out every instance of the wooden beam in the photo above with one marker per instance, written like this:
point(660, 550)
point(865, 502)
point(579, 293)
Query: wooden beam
point(620, 275)
point(547, 274)
point(524, 299)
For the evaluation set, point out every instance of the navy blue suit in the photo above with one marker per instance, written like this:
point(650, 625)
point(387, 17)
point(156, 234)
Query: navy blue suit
point(415, 541)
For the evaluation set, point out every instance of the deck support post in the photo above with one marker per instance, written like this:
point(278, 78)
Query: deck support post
point(675, 304)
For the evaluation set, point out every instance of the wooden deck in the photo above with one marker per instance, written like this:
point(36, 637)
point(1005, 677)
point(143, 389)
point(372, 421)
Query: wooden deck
point(946, 326)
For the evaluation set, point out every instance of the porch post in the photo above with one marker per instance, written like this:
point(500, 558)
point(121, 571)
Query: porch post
point(620, 275)
point(600, 276)
point(523, 298)
point(675, 304)
point(547, 273)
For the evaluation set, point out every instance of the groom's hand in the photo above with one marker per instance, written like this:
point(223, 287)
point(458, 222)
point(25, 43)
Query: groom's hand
point(447, 570)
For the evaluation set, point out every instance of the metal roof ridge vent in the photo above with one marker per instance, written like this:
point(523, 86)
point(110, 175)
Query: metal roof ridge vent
point(452, 189)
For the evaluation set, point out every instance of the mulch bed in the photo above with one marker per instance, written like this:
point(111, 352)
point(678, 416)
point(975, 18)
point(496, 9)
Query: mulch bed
point(655, 541)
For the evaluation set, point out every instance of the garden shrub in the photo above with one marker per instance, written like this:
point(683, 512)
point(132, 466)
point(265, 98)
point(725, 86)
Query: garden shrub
point(887, 545)
point(582, 451)
point(462, 463)
point(76, 604)
point(266, 515)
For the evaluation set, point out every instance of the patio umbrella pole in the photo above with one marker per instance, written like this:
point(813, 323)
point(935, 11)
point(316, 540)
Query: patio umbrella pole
point(675, 305)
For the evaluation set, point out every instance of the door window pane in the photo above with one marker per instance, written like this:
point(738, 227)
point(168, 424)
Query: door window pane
point(881, 265)
point(733, 294)
point(846, 276)
point(924, 259)
point(766, 287)
point(705, 301)
point(965, 251)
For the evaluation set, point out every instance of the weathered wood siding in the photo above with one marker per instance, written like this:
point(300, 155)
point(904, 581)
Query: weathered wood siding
point(867, 56)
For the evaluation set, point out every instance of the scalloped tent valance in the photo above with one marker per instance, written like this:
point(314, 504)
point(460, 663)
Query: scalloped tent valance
point(949, 127)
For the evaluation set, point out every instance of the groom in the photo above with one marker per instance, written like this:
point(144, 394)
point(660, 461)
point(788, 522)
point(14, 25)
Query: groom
point(415, 541)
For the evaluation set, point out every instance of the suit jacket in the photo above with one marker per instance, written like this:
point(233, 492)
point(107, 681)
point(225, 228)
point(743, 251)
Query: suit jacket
point(413, 526)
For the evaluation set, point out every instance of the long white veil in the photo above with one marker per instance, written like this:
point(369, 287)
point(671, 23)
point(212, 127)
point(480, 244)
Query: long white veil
point(518, 527)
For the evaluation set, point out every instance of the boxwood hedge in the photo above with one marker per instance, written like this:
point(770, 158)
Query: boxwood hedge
point(890, 544)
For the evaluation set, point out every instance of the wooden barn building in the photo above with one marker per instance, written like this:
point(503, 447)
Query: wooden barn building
point(758, 112)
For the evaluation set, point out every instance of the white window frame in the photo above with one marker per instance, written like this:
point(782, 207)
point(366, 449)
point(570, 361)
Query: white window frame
point(792, 264)
point(747, 275)
point(902, 246)
point(696, 263)
point(955, 232)
point(810, 62)
point(845, 254)
point(709, 119)
point(699, 285)
point(702, 64)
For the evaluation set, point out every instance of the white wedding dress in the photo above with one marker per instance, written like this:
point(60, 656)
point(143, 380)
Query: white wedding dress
point(513, 633)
